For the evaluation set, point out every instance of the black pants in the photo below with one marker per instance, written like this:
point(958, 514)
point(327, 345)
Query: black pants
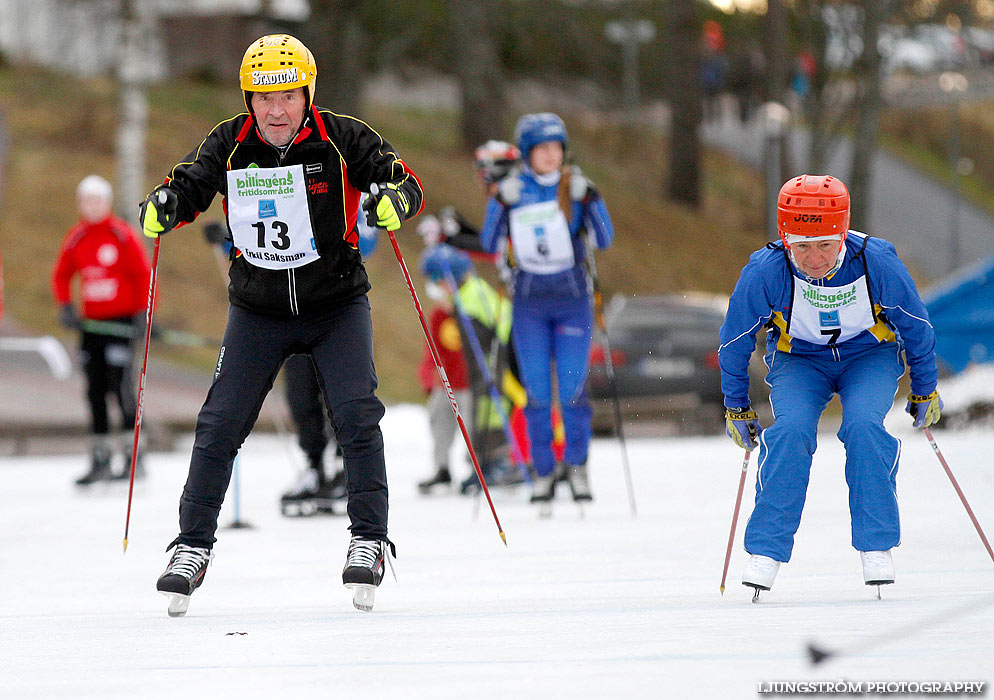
point(107, 362)
point(340, 341)
point(303, 396)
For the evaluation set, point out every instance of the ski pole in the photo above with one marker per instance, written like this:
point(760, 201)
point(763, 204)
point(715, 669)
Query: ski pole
point(141, 387)
point(609, 366)
point(166, 335)
point(481, 361)
point(441, 372)
point(959, 491)
point(735, 519)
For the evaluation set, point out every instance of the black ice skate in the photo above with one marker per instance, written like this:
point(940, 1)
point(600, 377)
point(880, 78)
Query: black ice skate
point(364, 568)
point(442, 477)
point(99, 463)
point(311, 495)
point(579, 485)
point(183, 575)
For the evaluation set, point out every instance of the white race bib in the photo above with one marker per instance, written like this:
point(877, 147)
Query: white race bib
point(824, 315)
point(269, 217)
point(540, 237)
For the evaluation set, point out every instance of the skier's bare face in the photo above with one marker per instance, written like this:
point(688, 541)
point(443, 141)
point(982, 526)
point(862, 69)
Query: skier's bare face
point(817, 258)
point(279, 114)
point(93, 207)
point(546, 157)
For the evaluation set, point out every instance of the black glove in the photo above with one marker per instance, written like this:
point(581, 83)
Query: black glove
point(386, 206)
point(215, 232)
point(158, 212)
point(68, 318)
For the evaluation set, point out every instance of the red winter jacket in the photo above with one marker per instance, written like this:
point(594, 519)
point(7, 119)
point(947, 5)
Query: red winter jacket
point(449, 345)
point(112, 265)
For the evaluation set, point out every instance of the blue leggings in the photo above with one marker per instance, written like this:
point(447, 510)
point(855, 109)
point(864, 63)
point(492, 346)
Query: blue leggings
point(545, 330)
point(801, 387)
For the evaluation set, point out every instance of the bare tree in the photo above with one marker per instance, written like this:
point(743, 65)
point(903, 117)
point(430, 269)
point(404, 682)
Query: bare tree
point(336, 36)
point(476, 63)
point(869, 102)
point(685, 98)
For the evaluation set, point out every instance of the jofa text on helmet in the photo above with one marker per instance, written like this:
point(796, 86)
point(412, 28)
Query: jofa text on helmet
point(275, 77)
point(808, 218)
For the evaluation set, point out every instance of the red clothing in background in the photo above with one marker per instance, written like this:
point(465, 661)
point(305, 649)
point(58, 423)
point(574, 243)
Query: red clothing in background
point(445, 333)
point(112, 265)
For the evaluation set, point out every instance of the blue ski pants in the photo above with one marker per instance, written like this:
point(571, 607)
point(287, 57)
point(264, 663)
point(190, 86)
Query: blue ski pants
point(547, 330)
point(800, 388)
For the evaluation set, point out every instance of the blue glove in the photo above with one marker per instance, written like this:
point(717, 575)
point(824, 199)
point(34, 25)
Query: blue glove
point(742, 425)
point(68, 318)
point(926, 410)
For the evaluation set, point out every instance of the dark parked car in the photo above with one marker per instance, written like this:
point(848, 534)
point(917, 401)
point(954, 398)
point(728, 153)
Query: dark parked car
point(665, 355)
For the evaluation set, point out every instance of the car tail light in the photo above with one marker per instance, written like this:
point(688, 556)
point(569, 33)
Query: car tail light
point(711, 360)
point(618, 357)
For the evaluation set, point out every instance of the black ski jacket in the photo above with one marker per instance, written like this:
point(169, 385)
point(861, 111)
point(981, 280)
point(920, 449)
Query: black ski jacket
point(341, 156)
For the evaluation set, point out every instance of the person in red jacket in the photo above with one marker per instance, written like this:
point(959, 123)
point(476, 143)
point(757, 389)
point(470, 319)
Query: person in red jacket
point(444, 329)
point(107, 256)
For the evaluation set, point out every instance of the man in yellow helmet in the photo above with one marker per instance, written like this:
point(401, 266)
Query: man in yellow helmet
point(291, 175)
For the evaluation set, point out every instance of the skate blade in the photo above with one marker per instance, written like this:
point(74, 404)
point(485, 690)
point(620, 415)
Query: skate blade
point(178, 603)
point(545, 510)
point(299, 509)
point(363, 595)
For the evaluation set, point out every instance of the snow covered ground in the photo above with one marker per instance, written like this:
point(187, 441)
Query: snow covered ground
point(599, 606)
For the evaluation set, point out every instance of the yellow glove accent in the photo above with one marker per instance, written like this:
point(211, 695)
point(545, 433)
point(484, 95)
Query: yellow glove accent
point(926, 410)
point(158, 212)
point(513, 390)
point(448, 335)
point(391, 206)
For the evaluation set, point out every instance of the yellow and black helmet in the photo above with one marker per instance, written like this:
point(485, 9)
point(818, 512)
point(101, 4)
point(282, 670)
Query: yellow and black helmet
point(277, 62)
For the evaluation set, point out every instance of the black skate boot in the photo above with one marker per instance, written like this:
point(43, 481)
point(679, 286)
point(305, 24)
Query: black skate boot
point(338, 489)
point(183, 575)
point(125, 474)
point(441, 477)
point(364, 568)
point(99, 463)
point(579, 485)
point(307, 497)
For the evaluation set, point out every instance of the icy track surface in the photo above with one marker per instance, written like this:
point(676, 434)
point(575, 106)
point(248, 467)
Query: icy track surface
point(604, 606)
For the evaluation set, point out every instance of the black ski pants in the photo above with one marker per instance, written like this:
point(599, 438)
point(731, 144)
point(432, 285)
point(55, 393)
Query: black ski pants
point(303, 396)
point(107, 363)
point(340, 341)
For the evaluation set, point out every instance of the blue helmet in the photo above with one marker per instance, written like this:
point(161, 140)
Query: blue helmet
point(439, 260)
point(533, 129)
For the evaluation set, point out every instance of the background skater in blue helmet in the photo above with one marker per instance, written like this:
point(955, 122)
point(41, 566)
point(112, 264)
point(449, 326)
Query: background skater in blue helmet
point(843, 316)
point(544, 209)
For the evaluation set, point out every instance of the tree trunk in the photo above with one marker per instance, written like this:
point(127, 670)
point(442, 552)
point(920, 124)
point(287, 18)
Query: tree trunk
point(336, 37)
point(868, 107)
point(685, 98)
point(475, 61)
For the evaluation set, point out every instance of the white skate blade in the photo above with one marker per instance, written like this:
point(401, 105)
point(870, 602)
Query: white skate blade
point(178, 603)
point(363, 595)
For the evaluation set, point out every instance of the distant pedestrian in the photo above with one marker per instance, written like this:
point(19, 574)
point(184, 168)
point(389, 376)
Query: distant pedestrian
point(107, 256)
point(843, 317)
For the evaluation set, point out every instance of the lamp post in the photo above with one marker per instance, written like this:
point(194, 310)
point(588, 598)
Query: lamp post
point(630, 34)
point(954, 85)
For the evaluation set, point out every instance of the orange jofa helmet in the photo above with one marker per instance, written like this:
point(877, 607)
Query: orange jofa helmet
point(812, 207)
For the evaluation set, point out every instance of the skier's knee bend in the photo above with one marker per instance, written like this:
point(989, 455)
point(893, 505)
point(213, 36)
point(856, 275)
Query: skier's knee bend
point(357, 423)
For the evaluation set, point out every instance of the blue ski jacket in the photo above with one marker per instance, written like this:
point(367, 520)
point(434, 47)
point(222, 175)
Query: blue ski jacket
point(588, 212)
point(763, 298)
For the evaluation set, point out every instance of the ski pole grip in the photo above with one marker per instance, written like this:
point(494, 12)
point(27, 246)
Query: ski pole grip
point(374, 189)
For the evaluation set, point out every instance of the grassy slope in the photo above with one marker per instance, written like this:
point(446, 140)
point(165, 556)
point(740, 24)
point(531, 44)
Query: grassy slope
point(66, 130)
